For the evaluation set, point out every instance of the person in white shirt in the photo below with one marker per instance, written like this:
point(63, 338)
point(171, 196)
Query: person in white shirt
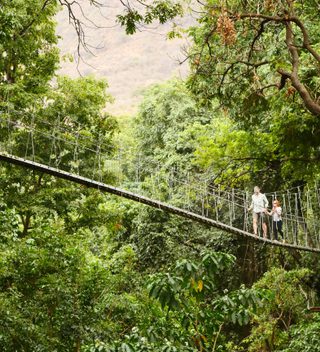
point(276, 219)
point(259, 205)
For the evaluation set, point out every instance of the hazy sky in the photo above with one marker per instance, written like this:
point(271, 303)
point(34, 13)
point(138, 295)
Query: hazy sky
point(130, 63)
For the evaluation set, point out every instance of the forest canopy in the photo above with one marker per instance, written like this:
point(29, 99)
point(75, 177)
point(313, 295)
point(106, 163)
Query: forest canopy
point(81, 270)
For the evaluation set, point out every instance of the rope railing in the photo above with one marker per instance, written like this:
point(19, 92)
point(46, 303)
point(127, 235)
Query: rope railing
point(68, 149)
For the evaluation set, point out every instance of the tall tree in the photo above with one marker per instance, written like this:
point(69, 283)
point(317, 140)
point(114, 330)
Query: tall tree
point(259, 60)
point(255, 48)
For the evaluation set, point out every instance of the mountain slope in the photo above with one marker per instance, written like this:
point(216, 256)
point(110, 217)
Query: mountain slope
point(130, 63)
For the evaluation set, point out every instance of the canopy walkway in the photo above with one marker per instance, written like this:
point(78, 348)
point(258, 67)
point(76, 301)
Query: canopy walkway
point(59, 149)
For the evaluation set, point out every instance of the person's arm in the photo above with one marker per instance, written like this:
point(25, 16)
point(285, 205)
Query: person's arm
point(251, 205)
point(266, 203)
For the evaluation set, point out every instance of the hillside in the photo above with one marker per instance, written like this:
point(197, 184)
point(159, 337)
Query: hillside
point(130, 63)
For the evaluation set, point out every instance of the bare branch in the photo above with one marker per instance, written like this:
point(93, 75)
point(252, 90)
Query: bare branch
point(257, 36)
point(268, 86)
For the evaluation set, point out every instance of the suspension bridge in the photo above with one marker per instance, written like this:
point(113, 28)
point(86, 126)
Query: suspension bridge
point(64, 150)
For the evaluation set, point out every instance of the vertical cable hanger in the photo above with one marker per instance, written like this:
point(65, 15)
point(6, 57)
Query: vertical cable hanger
point(76, 160)
point(53, 154)
point(285, 219)
point(32, 138)
point(9, 146)
point(290, 217)
point(99, 159)
point(296, 220)
point(58, 158)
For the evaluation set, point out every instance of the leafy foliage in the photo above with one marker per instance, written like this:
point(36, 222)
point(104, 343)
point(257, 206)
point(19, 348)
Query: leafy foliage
point(29, 56)
point(304, 337)
point(160, 10)
point(82, 271)
point(193, 293)
point(272, 325)
point(242, 58)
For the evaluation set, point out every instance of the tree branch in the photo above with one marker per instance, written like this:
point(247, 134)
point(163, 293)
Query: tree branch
point(286, 18)
point(29, 25)
point(292, 49)
point(310, 104)
point(306, 39)
point(257, 36)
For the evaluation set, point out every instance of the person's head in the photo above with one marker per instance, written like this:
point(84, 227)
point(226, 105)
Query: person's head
point(276, 203)
point(256, 189)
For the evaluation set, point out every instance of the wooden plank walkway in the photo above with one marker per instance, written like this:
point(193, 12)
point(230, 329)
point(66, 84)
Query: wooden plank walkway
point(144, 200)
